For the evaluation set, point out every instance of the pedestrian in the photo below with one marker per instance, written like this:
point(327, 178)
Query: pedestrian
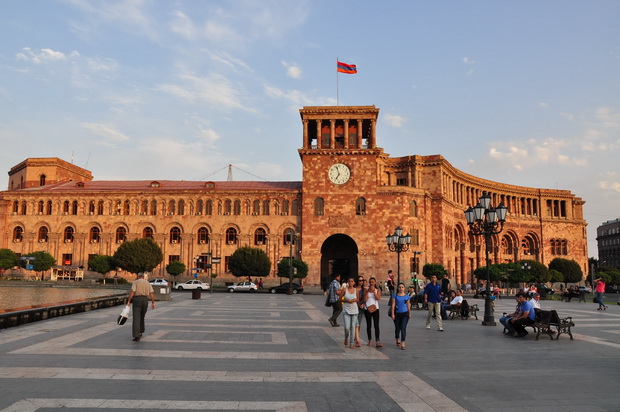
point(389, 284)
point(401, 313)
point(372, 294)
point(260, 283)
point(599, 290)
point(445, 284)
point(334, 298)
point(361, 286)
point(349, 297)
point(432, 297)
point(141, 290)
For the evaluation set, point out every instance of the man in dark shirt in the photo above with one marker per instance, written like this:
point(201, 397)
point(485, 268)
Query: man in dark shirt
point(432, 296)
point(445, 285)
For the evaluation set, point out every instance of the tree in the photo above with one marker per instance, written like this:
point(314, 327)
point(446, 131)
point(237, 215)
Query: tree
point(137, 256)
point(101, 264)
point(569, 268)
point(249, 261)
point(433, 269)
point(8, 259)
point(42, 261)
point(538, 272)
point(613, 274)
point(556, 276)
point(300, 268)
point(175, 268)
point(495, 274)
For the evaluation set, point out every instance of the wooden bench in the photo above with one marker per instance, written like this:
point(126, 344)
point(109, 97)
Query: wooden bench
point(549, 322)
point(581, 296)
point(457, 312)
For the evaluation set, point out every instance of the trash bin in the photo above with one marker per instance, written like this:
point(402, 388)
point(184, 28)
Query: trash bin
point(196, 293)
point(162, 292)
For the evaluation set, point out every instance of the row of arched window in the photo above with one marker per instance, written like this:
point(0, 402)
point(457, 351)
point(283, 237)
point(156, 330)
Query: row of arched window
point(169, 207)
point(174, 236)
point(559, 246)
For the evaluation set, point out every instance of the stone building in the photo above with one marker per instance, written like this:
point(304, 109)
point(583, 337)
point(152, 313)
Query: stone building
point(351, 196)
point(608, 240)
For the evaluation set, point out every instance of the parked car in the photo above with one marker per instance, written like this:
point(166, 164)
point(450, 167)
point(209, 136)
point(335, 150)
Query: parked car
point(283, 288)
point(192, 284)
point(585, 289)
point(612, 289)
point(158, 282)
point(243, 287)
point(547, 290)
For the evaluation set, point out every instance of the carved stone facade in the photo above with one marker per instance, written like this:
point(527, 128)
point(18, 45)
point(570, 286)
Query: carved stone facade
point(351, 196)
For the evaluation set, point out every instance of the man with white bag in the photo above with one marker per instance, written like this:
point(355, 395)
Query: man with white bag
point(140, 292)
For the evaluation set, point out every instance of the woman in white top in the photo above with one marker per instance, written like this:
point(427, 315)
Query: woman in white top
point(372, 294)
point(350, 312)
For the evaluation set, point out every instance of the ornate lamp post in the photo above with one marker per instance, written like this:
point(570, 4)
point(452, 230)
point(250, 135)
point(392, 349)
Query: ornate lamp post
point(415, 269)
point(398, 243)
point(484, 220)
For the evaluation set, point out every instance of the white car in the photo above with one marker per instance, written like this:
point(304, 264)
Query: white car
point(192, 284)
point(243, 287)
point(158, 282)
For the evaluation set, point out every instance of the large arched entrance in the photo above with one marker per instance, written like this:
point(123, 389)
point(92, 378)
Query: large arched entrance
point(338, 255)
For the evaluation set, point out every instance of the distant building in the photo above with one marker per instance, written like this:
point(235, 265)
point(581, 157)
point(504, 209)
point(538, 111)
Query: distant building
point(351, 196)
point(608, 240)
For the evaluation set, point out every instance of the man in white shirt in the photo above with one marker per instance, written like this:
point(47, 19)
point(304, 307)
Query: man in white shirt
point(454, 303)
point(535, 300)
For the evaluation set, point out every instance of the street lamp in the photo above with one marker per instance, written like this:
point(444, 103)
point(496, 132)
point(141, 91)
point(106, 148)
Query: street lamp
point(484, 220)
point(398, 243)
point(290, 241)
point(214, 261)
point(415, 269)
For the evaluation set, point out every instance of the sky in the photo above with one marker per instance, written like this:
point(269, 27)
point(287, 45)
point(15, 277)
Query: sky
point(519, 92)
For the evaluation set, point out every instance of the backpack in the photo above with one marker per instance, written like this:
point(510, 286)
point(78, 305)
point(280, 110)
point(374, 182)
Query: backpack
point(464, 309)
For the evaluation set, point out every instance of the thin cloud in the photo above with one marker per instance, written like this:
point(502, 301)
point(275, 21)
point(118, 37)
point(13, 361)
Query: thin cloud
point(292, 70)
point(394, 120)
point(106, 135)
point(41, 56)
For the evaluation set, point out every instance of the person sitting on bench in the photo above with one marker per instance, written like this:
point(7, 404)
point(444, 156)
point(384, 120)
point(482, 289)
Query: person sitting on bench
point(527, 316)
point(455, 302)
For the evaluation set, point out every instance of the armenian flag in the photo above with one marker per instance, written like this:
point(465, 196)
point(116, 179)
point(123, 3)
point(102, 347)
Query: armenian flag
point(346, 68)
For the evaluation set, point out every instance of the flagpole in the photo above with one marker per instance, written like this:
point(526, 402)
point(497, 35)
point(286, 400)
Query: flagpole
point(337, 85)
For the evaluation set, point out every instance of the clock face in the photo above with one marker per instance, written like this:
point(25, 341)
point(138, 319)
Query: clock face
point(339, 173)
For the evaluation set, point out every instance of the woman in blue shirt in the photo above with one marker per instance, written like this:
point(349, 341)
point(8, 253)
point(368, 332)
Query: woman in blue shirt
point(401, 313)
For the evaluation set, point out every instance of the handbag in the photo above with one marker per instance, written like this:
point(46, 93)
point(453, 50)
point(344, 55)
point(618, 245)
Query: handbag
point(122, 318)
point(372, 308)
point(327, 302)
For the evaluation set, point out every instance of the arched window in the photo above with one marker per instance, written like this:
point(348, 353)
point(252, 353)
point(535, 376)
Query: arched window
point(171, 207)
point(288, 237)
point(256, 207)
point(564, 247)
point(74, 207)
point(266, 207)
point(94, 234)
point(126, 208)
point(144, 207)
point(319, 206)
point(154, 207)
point(118, 207)
point(68, 234)
point(260, 236)
point(121, 235)
point(209, 207)
point(237, 208)
point(285, 207)
point(66, 206)
point(48, 211)
point(147, 233)
point(360, 206)
point(175, 235)
point(227, 207)
point(506, 245)
point(42, 180)
point(91, 207)
point(42, 235)
point(231, 235)
point(100, 207)
point(203, 236)
point(18, 234)
point(413, 209)
point(181, 207)
point(24, 208)
point(199, 207)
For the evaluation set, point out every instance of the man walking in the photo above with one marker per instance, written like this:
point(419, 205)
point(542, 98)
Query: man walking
point(334, 299)
point(432, 297)
point(140, 292)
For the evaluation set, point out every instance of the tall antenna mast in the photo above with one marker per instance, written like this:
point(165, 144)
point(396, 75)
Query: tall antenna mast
point(230, 177)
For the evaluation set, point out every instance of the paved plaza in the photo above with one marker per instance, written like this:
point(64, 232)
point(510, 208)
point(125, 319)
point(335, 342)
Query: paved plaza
point(264, 352)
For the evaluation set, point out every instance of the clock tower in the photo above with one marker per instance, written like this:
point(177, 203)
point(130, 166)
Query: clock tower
point(340, 174)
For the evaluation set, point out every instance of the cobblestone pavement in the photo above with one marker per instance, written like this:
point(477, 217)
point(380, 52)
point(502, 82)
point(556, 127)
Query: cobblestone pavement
point(265, 352)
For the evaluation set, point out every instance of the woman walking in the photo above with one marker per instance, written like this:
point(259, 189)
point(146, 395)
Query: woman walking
point(401, 313)
point(371, 297)
point(600, 289)
point(350, 298)
point(361, 286)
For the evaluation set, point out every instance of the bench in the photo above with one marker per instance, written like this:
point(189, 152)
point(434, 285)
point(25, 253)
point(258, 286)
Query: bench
point(567, 298)
point(457, 311)
point(549, 322)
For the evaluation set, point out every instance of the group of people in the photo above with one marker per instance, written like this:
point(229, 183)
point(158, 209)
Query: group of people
point(523, 315)
point(359, 299)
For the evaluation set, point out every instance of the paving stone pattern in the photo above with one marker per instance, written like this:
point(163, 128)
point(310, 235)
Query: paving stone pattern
point(265, 352)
